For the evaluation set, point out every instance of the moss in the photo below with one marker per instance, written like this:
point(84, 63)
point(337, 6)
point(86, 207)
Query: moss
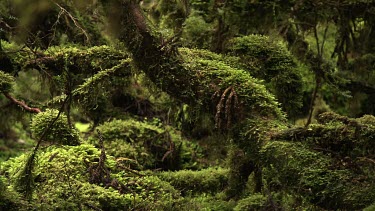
point(206, 202)
point(6, 82)
point(53, 128)
point(253, 202)
point(61, 183)
point(337, 134)
point(9, 199)
point(269, 60)
point(209, 180)
point(149, 143)
point(222, 86)
point(295, 168)
point(196, 31)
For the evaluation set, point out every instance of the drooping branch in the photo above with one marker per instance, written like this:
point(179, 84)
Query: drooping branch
point(21, 104)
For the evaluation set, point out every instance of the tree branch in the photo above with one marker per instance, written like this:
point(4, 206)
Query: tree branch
point(21, 104)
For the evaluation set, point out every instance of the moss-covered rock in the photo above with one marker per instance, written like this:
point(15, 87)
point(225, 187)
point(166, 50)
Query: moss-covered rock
point(54, 128)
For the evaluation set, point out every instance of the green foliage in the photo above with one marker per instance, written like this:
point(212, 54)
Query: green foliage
point(269, 60)
point(370, 208)
point(206, 202)
point(329, 164)
point(94, 95)
point(211, 180)
point(53, 128)
point(196, 31)
point(80, 60)
point(148, 143)
point(6, 82)
point(253, 202)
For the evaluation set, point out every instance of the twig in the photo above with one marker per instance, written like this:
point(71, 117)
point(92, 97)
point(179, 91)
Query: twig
point(74, 20)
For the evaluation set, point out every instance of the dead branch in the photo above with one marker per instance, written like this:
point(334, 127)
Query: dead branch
point(63, 10)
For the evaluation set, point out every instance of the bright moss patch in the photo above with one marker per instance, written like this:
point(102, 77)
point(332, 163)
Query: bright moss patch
point(62, 182)
point(209, 180)
point(53, 128)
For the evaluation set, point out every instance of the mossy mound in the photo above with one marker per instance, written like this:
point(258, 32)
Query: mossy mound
point(253, 202)
point(62, 175)
point(52, 127)
point(211, 180)
point(207, 202)
point(149, 144)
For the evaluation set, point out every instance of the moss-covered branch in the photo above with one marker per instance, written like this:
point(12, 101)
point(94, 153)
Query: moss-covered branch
point(188, 78)
point(21, 104)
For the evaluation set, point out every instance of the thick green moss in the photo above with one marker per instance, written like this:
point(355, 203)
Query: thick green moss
point(209, 180)
point(253, 202)
point(348, 137)
point(269, 60)
point(149, 144)
point(229, 90)
point(296, 168)
point(61, 178)
point(9, 199)
point(206, 202)
point(54, 129)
